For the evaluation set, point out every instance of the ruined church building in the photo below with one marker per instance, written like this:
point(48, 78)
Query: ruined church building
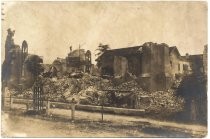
point(154, 65)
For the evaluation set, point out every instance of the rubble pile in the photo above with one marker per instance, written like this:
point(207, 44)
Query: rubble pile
point(131, 85)
point(89, 96)
point(28, 93)
point(65, 89)
point(165, 102)
point(88, 90)
point(176, 84)
point(100, 83)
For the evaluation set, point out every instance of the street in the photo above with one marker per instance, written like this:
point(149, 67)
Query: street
point(87, 124)
point(25, 126)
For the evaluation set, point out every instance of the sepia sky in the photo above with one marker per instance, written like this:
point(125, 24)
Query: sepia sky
point(51, 27)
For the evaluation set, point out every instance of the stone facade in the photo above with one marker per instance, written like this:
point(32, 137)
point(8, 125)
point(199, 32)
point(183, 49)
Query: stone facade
point(178, 64)
point(122, 66)
point(14, 72)
point(153, 64)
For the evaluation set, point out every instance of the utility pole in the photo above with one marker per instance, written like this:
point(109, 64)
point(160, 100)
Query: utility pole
point(102, 110)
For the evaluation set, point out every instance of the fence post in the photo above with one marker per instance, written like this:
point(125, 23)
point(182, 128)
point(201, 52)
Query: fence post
point(27, 106)
point(3, 96)
point(73, 104)
point(72, 111)
point(102, 107)
point(102, 112)
point(48, 107)
point(11, 102)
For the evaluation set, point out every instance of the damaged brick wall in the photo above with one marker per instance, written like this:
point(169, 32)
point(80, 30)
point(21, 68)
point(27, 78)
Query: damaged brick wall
point(135, 64)
point(106, 67)
point(120, 66)
point(155, 61)
point(150, 63)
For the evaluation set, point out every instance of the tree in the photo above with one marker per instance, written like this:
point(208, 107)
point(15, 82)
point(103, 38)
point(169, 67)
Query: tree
point(101, 49)
point(33, 65)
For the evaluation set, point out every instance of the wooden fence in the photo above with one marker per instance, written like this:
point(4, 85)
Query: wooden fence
point(72, 106)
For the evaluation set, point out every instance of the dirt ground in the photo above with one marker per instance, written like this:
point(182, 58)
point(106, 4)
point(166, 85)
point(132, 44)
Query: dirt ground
point(25, 126)
point(87, 124)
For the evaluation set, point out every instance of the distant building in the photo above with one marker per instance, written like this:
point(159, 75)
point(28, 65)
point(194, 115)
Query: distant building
point(155, 65)
point(59, 66)
point(178, 63)
point(79, 60)
point(196, 62)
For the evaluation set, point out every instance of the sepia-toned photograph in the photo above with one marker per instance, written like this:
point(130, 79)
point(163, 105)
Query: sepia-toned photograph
point(104, 69)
